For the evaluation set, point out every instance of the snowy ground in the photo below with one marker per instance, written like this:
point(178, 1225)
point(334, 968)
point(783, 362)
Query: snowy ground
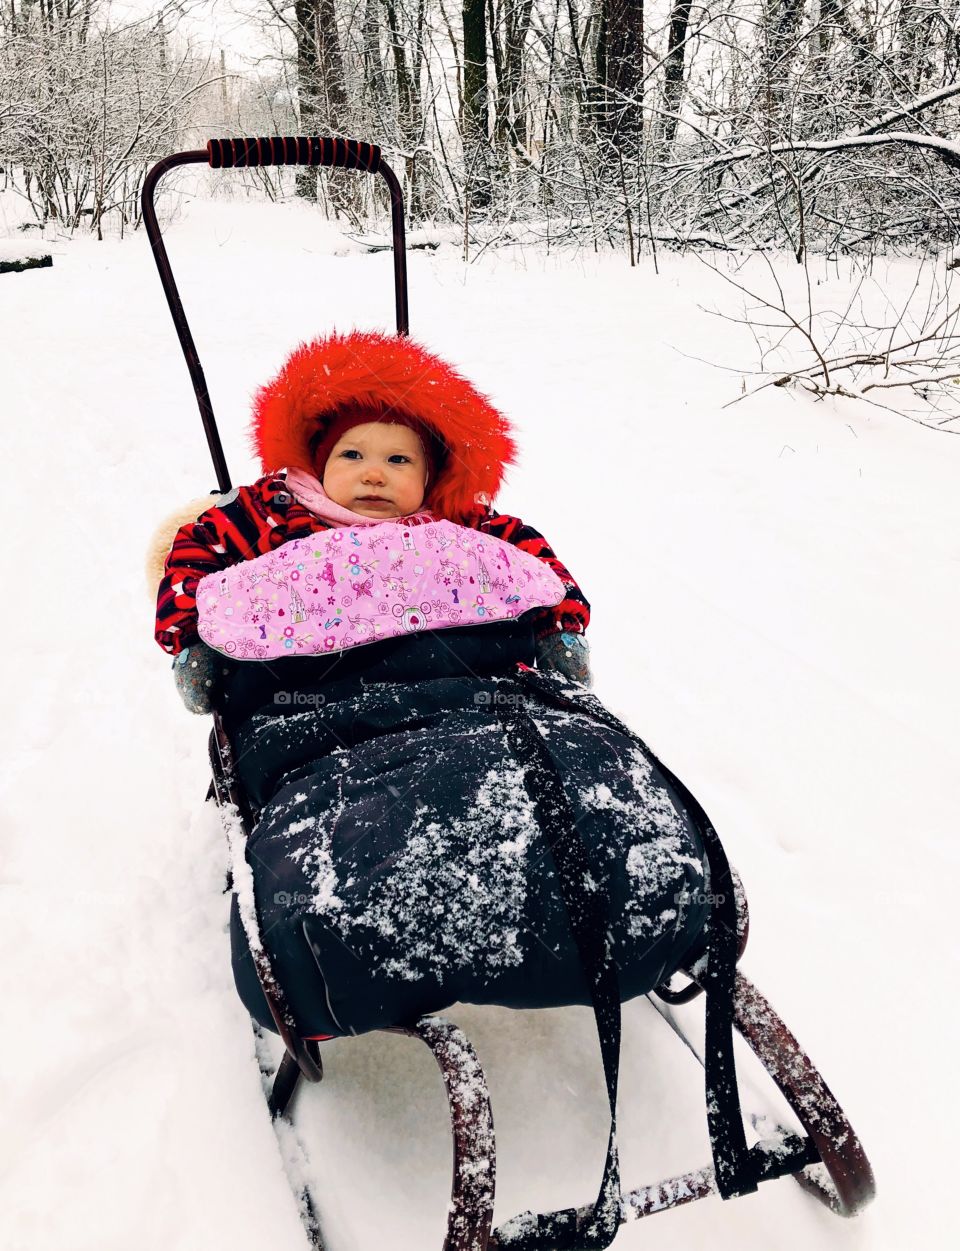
point(786, 643)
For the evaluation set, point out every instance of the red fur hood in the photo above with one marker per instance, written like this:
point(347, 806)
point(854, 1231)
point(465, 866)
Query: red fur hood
point(395, 374)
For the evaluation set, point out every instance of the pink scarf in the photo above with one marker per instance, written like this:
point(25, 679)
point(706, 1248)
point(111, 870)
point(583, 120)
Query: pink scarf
point(308, 491)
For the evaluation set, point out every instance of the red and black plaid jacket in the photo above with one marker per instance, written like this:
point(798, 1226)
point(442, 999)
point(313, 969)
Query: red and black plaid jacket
point(252, 520)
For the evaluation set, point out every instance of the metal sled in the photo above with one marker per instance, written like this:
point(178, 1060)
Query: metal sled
point(827, 1160)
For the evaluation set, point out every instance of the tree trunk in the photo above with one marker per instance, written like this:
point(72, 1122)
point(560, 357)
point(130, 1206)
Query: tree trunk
point(322, 91)
point(511, 108)
point(475, 121)
point(781, 24)
point(331, 67)
point(673, 66)
point(914, 61)
point(374, 79)
point(308, 88)
point(620, 68)
point(409, 105)
point(861, 36)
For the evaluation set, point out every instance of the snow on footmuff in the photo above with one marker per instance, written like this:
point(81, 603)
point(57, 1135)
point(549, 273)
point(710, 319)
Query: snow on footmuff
point(407, 871)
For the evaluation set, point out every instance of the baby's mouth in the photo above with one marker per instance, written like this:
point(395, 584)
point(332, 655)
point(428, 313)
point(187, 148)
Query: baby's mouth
point(373, 504)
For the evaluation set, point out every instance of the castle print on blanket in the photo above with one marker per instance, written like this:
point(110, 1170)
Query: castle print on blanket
point(336, 589)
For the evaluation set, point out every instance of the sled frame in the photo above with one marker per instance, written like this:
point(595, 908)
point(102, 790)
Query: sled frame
point(829, 1145)
point(827, 1160)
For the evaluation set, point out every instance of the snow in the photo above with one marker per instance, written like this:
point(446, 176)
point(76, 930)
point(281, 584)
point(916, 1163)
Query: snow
point(22, 249)
point(481, 931)
point(780, 627)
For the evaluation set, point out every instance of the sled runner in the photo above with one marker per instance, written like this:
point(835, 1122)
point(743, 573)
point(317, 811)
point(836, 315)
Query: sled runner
point(827, 1159)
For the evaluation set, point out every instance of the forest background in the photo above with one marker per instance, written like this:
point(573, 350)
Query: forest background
point(793, 124)
point(780, 129)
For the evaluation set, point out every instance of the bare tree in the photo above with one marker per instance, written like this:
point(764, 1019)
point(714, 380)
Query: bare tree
point(755, 123)
point(475, 121)
point(88, 105)
point(321, 88)
point(620, 67)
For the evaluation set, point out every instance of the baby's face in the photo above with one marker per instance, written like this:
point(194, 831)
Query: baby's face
point(378, 470)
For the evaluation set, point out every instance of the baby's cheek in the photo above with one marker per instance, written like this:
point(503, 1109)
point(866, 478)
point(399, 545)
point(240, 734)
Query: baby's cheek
point(337, 487)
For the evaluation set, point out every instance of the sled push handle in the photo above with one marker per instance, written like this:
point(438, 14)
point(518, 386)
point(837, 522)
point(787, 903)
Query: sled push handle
point(294, 150)
point(311, 150)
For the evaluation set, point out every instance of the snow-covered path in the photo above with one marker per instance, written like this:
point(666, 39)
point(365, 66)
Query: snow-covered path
point(787, 645)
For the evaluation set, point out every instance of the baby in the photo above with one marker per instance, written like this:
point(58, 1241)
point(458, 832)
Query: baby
point(358, 429)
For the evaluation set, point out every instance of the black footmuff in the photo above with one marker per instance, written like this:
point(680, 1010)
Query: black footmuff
point(410, 830)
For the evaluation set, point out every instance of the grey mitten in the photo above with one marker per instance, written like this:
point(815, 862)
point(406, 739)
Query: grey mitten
point(565, 653)
point(196, 671)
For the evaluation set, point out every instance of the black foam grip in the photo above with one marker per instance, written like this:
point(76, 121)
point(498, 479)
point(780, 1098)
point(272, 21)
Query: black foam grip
point(293, 150)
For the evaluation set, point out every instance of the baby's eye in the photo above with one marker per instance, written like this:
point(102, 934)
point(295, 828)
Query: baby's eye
point(399, 459)
point(350, 453)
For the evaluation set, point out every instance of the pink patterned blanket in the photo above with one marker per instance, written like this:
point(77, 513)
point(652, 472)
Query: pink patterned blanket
point(341, 588)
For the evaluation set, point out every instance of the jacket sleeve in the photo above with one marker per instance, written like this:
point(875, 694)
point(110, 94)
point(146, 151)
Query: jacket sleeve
point(248, 522)
point(572, 614)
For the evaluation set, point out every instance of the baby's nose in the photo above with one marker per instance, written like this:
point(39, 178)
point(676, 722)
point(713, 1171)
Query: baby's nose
point(373, 472)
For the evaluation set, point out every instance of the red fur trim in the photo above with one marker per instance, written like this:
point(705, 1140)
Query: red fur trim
point(398, 375)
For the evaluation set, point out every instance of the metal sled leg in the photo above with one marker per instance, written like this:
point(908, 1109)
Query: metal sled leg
point(286, 1078)
point(849, 1185)
point(471, 1119)
point(851, 1181)
point(831, 1145)
point(841, 1176)
point(830, 1141)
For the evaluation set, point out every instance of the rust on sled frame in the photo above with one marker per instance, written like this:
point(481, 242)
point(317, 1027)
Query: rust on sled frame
point(828, 1160)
